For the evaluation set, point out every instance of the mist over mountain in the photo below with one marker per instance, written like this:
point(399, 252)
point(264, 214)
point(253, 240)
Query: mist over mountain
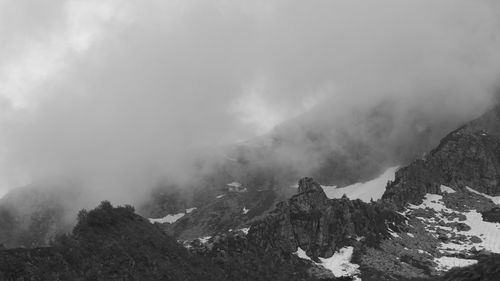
point(120, 96)
point(249, 140)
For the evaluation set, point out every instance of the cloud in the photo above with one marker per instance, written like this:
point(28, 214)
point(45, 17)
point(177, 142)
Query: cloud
point(120, 94)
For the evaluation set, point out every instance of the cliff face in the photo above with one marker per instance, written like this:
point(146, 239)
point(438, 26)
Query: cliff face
point(468, 156)
point(320, 226)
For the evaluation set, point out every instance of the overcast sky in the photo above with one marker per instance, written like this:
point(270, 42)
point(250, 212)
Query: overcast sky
point(115, 92)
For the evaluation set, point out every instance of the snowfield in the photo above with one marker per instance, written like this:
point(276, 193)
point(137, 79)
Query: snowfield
point(339, 264)
point(489, 233)
point(365, 191)
point(446, 189)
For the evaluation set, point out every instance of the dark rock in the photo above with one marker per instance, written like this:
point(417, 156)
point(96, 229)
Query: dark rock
point(487, 269)
point(320, 226)
point(475, 239)
point(460, 226)
point(492, 215)
point(468, 156)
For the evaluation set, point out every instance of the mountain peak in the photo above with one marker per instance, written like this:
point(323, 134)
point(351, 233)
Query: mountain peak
point(309, 185)
point(311, 194)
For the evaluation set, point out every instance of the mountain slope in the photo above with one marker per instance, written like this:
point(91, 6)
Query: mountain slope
point(468, 156)
point(113, 243)
point(108, 244)
point(335, 150)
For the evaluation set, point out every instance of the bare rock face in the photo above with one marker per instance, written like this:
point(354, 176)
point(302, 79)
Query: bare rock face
point(468, 156)
point(321, 226)
point(311, 196)
point(309, 185)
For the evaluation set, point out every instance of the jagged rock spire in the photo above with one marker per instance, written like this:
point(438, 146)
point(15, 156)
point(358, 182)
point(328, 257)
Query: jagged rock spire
point(310, 193)
point(309, 185)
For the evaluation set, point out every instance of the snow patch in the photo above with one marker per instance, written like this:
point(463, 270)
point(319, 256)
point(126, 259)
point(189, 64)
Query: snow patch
point(447, 263)
point(488, 232)
point(393, 234)
point(446, 189)
point(234, 184)
point(245, 210)
point(302, 254)
point(495, 199)
point(204, 240)
point(432, 201)
point(236, 187)
point(168, 218)
point(172, 218)
point(339, 264)
point(245, 230)
point(365, 191)
point(219, 196)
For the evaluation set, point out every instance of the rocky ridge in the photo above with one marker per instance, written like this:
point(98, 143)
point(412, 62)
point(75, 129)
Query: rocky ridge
point(467, 157)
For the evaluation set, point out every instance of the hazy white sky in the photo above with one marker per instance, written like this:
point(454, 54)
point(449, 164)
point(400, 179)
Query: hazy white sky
point(116, 91)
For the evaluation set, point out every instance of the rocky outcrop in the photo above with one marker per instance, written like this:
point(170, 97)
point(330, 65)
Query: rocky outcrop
point(468, 156)
point(321, 226)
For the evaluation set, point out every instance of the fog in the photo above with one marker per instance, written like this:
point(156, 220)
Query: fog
point(120, 95)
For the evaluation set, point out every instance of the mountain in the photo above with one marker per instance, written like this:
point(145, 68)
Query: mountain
point(440, 212)
point(334, 150)
point(438, 219)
